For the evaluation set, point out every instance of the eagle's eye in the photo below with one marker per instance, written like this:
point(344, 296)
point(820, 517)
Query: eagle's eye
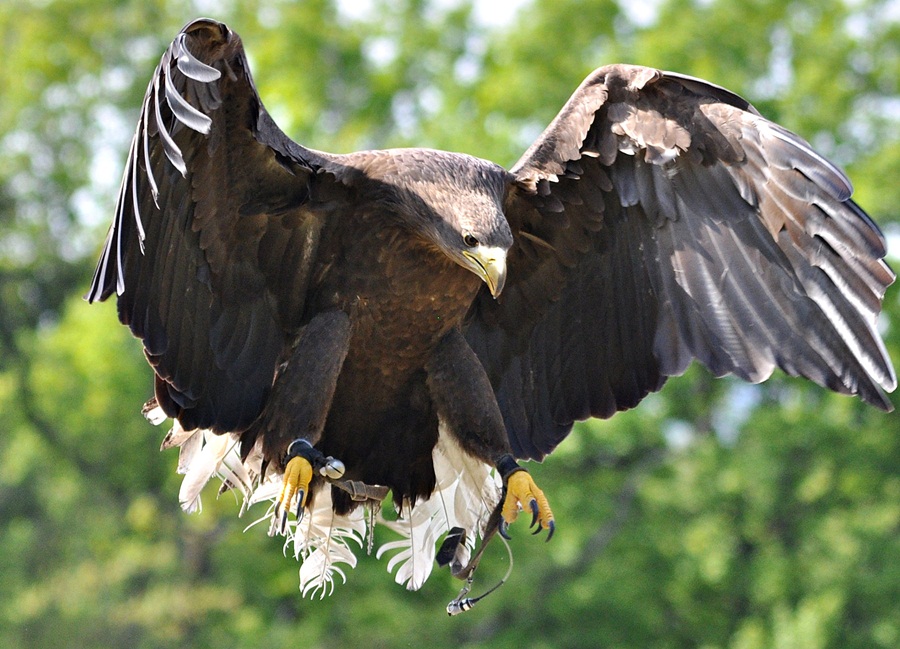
point(470, 241)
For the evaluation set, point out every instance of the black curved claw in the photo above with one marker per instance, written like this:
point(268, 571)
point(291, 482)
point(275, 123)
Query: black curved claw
point(300, 495)
point(534, 513)
point(284, 516)
point(503, 528)
point(551, 527)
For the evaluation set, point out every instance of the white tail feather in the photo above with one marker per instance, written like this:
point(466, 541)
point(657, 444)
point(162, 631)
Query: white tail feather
point(176, 436)
point(321, 540)
point(421, 525)
point(478, 489)
point(154, 414)
point(188, 451)
point(464, 495)
point(202, 468)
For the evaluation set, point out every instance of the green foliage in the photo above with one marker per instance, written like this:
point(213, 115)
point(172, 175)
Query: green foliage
point(715, 515)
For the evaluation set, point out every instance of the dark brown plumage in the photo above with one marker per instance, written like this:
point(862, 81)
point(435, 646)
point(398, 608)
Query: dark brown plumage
point(286, 293)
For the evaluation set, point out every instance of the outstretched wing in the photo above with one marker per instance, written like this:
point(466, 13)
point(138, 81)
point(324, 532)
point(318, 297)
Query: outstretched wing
point(212, 244)
point(659, 219)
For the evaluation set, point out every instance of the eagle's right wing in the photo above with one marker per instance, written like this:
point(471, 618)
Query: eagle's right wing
point(213, 244)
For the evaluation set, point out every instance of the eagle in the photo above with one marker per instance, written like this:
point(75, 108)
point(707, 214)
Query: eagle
point(330, 328)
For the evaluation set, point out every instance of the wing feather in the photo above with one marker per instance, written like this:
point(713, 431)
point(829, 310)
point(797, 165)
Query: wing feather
point(200, 229)
point(676, 224)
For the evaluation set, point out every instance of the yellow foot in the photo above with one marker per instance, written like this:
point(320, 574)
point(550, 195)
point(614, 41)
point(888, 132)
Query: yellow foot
point(521, 490)
point(297, 475)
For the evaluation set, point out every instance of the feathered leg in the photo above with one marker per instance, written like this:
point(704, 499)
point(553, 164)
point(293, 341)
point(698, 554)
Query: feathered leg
point(298, 407)
point(465, 401)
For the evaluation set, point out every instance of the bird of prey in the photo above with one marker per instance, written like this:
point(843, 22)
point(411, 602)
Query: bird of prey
point(415, 321)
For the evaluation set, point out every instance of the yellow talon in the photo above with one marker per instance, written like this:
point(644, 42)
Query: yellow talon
point(297, 475)
point(521, 491)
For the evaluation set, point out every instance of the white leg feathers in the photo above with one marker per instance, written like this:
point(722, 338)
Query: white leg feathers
point(325, 543)
point(464, 496)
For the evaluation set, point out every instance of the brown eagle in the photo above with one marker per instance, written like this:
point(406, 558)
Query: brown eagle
point(345, 321)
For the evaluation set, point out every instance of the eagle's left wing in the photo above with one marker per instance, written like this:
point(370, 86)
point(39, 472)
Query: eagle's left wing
point(659, 219)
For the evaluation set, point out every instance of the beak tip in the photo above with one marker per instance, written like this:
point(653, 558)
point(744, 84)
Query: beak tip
point(490, 265)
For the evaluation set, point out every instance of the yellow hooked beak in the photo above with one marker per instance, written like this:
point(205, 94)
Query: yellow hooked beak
point(489, 263)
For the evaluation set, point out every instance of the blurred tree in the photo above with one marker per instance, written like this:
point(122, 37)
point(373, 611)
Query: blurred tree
point(715, 515)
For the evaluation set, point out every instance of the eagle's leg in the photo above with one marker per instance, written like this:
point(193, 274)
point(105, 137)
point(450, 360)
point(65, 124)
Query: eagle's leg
point(298, 408)
point(304, 461)
point(520, 490)
point(298, 473)
point(467, 405)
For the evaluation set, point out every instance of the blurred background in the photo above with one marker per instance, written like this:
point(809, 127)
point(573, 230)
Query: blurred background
point(715, 515)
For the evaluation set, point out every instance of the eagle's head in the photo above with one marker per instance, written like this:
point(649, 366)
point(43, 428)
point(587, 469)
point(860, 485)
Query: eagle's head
point(456, 202)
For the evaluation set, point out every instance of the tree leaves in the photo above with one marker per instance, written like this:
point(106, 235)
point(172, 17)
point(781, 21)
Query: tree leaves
point(710, 516)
